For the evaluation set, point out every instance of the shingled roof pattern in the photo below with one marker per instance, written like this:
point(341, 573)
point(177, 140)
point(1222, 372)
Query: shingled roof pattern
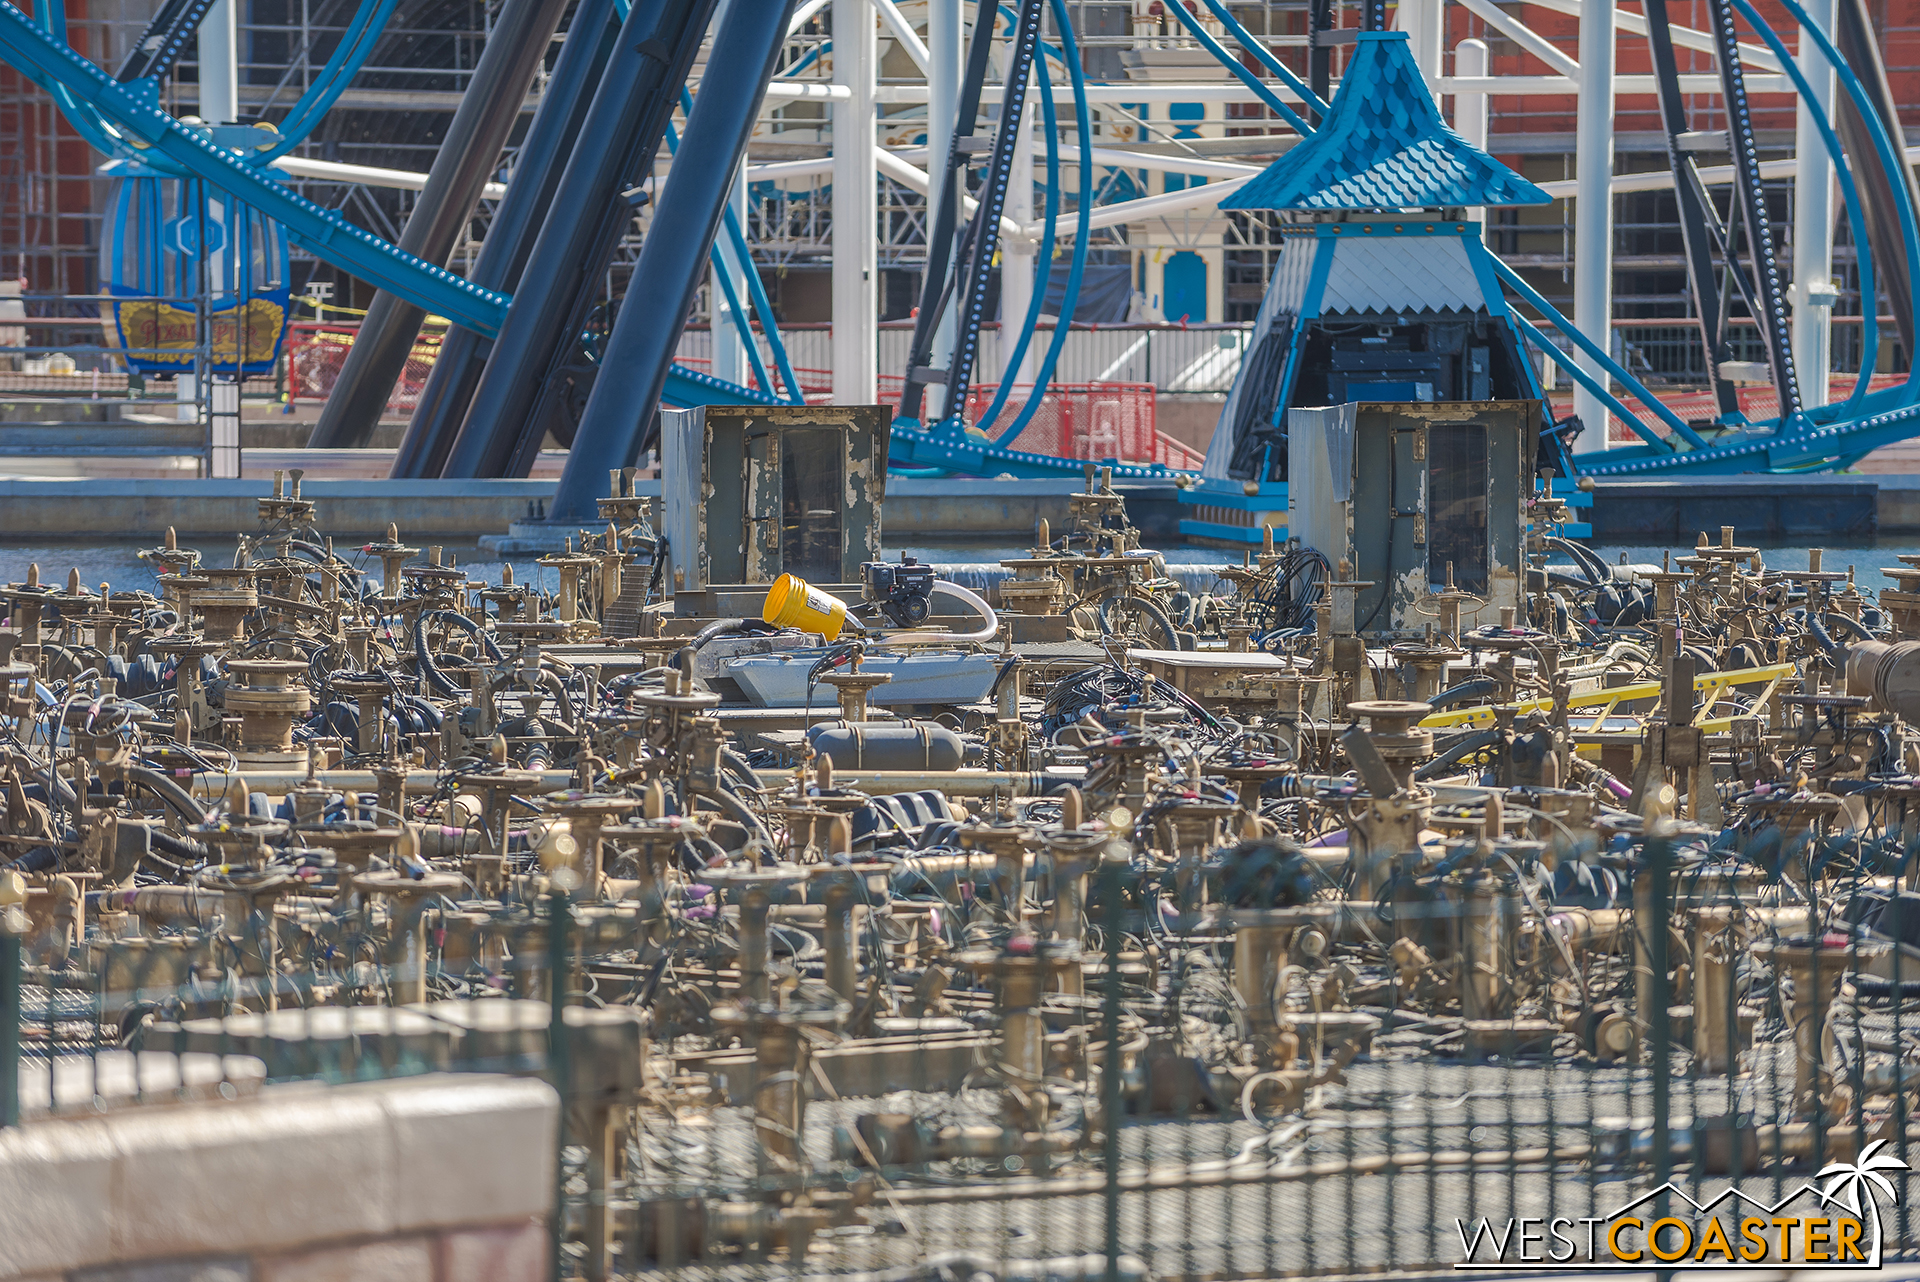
point(1383, 145)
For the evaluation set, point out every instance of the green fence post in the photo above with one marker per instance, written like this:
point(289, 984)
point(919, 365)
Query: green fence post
point(1657, 869)
point(1111, 921)
point(559, 1066)
point(9, 1019)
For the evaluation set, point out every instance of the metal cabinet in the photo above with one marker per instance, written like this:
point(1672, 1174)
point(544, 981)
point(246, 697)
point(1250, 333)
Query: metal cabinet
point(753, 492)
point(1408, 493)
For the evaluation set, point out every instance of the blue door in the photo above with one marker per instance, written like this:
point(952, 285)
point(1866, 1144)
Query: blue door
point(1184, 288)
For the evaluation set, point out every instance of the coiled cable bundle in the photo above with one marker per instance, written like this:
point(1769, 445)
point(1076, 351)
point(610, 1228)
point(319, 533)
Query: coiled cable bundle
point(1282, 602)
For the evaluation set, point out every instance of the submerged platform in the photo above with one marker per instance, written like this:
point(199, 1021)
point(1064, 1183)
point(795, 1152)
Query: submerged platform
point(1771, 508)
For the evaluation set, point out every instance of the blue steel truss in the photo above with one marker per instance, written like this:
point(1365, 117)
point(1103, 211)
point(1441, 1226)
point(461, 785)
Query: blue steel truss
point(1365, 165)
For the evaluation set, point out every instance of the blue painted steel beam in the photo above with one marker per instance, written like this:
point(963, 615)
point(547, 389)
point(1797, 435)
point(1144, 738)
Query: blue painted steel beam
point(331, 238)
point(910, 448)
point(1198, 31)
point(616, 147)
point(627, 392)
point(1532, 296)
point(1264, 56)
point(686, 388)
point(355, 47)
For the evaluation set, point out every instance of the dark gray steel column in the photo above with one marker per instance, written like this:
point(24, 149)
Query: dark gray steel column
point(466, 159)
point(617, 143)
point(673, 259)
point(543, 158)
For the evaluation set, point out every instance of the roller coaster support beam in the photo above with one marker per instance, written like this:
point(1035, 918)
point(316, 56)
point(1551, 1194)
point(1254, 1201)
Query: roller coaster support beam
point(1858, 43)
point(1593, 206)
point(947, 52)
point(330, 237)
point(465, 161)
point(1471, 58)
point(633, 375)
point(856, 207)
point(616, 147)
point(543, 155)
point(1320, 21)
point(1813, 290)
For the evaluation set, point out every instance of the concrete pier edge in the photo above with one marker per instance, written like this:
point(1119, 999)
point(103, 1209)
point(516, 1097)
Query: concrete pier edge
point(505, 515)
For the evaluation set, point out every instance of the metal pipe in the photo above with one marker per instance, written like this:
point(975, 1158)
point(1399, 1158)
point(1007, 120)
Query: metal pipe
point(617, 142)
point(959, 783)
point(626, 393)
point(465, 161)
point(536, 174)
point(276, 782)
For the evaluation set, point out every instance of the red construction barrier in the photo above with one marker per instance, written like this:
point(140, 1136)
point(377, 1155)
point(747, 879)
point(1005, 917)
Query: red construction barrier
point(316, 350)
point(1077, 421)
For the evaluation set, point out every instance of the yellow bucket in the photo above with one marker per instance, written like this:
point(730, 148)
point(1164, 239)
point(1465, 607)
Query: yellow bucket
point(795, 603)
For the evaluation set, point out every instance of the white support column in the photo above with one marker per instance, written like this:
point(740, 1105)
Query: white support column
point(856, 206)
point(1424, 21)
point(219, 65)
point(223, 429)
point(1470, 109)
point(1017, 263)
point(729, 351)
point(1593, 208)
point(946, 46)
point(1813, 289)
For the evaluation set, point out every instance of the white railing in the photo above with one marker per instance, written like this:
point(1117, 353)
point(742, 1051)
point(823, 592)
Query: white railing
point(1174, 358)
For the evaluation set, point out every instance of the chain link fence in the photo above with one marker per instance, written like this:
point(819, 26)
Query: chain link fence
point(1193, 1077)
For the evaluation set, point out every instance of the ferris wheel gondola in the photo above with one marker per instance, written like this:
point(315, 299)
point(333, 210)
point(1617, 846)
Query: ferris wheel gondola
point(169, 240)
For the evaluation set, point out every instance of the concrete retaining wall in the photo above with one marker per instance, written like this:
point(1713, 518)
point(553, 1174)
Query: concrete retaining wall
point(1898, 503)
point(59, 509)
point(445, 1178)
point(918, 510)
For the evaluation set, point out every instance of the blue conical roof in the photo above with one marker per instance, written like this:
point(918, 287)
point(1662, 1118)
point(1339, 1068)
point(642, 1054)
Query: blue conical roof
point(1383, 145)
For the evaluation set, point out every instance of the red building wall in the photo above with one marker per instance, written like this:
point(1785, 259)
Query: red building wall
point(46, 179)
point(1897, 20)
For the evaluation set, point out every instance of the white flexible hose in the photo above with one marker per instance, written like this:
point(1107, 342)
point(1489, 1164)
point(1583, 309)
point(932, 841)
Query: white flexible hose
point(988, 632)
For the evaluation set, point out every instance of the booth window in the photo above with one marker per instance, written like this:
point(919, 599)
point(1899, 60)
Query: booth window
point(811, 502)
point(1457, 486)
